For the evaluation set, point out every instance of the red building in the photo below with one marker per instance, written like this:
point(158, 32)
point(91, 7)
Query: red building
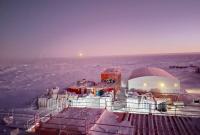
point(81, 87)
point(111, 75)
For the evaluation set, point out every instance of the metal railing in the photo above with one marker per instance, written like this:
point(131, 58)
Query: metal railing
point(148, 108)
point(159, 123)
point(85, 128)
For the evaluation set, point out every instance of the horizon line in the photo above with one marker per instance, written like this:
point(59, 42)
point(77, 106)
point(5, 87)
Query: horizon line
point(98, 56)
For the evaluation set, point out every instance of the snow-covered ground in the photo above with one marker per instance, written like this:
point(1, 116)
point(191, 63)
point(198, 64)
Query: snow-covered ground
point(22, 81)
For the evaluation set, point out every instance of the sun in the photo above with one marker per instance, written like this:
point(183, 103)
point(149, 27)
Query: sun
point(80, 54)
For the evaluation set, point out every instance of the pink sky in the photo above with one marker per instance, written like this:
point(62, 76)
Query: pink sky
point(97, 28)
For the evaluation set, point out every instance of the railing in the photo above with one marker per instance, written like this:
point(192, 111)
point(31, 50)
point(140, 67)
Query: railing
point(135, 107)
point(42, 116)
point(158, 126)
point(172, 110)
point(26, 119)
point(83, 129)
point(64, 126)
point(147, 108)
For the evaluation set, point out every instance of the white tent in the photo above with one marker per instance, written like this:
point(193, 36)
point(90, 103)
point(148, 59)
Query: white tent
point(150, 78)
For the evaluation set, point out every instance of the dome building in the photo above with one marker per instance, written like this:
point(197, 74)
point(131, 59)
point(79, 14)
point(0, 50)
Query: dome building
point(153, 79)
